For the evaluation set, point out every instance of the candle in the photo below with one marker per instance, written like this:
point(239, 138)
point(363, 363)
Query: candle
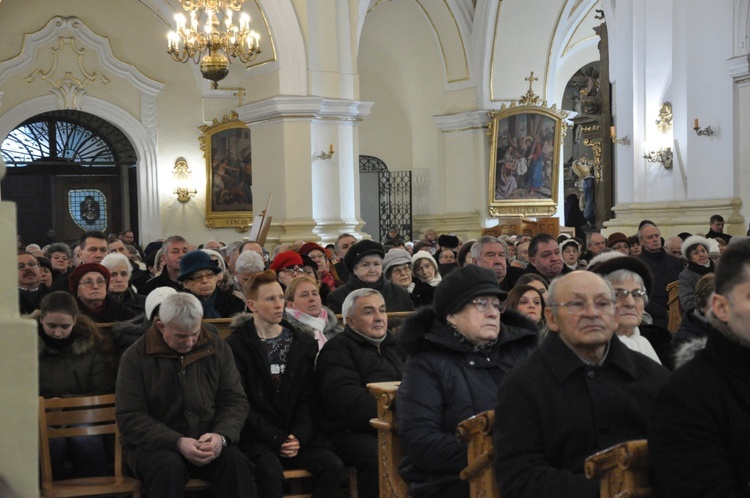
point(612, 131)
point(695, 123)
point(330, 149)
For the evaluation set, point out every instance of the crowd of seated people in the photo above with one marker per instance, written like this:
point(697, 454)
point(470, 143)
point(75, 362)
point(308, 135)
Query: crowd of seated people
point(492, 321)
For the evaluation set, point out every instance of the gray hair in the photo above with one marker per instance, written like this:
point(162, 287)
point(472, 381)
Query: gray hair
point(347, 309)
point(217, 254)
point(181, 310)
point(57, 247)
point(640, 230)
point(115, 259)
point(249, 261)
point(621, 276)
point(476, 248)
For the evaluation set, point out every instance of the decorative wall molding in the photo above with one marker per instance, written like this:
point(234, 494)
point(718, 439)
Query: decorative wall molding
point(303, 108)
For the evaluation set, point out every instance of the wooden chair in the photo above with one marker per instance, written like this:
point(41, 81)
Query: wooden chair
point(675, 310)
point(477, 432)
point(84, 416)
point(392, 485)
point(622, 469)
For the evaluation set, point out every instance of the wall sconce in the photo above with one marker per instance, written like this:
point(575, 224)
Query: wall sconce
point(181, 172)
point(324, 155)
point(622, 141)
point(702, 132)
point(663, 156)
point(665, 117)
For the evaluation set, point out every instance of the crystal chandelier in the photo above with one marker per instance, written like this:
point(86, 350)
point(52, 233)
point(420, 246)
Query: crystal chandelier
point(220, 39)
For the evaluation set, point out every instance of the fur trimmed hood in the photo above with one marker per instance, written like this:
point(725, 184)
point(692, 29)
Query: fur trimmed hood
point(687, 351)
point(421, 329)
point(87, 336)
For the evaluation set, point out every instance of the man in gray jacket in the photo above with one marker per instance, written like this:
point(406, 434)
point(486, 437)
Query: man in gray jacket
point(180, 406)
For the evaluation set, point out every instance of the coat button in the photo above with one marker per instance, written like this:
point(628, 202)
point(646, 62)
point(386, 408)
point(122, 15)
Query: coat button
point(471, 362)
point(591, 374)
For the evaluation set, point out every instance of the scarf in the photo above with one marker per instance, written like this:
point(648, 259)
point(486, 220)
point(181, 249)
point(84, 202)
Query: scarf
point(374, 342)
point(317, 324)
point(53, 343)
point(701, 269)
point(209, 306)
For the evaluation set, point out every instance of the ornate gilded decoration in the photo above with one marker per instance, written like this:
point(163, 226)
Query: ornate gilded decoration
point(526, 139)
point(69, 88)
point(664, 122)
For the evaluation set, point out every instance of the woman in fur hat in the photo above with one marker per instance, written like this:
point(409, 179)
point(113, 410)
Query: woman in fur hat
point(459, 352)
point(695, 250)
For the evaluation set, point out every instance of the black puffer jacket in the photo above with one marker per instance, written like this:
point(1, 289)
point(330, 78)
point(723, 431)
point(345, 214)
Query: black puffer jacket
point(345, 365)
point(275, 415)
point(444, 383)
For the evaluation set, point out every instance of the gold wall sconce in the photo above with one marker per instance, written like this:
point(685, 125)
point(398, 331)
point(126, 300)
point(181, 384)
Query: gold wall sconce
point(325, 155)
point(665, 117)
point(622, 141)
point(181, 172)
point(663, 156)
point(702, 132)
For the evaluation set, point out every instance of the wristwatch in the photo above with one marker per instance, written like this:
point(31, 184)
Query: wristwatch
point(223, 441)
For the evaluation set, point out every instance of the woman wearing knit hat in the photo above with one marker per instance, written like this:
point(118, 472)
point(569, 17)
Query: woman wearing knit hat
point(426, 268)
point(364, 260)
point(89, 283)
point(398, 270)
point(459, 352)
point(696, 251)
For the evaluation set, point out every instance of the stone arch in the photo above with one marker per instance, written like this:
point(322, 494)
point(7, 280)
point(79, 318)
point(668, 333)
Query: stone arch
point(141, 138)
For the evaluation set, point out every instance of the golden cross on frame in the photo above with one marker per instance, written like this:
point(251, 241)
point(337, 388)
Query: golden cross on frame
point(531, 80)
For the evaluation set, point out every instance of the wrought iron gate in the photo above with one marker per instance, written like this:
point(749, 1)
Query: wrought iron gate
point(394, 196)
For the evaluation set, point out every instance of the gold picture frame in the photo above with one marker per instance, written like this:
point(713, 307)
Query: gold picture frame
point(227, 148)
point(526, 140)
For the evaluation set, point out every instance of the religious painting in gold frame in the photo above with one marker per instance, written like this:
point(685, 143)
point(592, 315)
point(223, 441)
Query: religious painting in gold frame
point(227, 148)
point(526, 140)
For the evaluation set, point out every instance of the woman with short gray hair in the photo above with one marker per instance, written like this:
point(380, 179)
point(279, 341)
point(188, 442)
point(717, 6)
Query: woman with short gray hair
point(119, 287)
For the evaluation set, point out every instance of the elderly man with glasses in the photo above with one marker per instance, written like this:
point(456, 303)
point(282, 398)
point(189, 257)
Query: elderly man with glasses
point(579, 393)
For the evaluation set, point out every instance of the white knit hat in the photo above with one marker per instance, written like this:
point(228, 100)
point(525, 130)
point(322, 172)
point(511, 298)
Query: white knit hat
point(155, 297)
point(695, 240)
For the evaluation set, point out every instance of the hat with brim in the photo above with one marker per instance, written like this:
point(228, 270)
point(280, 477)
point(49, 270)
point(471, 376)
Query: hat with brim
point(617, 237)
point(462, 285)
point(286, 259)
point(618, 261)
point(81, 270)
point(691, 242)
point(360, 250)
point(196, 261)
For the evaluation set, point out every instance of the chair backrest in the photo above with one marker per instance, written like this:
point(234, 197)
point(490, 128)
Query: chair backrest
point(389, 446)
point(623, 469)
point(71, 417)
point(675, 311)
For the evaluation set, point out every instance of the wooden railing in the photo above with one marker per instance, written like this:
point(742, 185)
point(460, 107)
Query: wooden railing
point(392, 485)
point(622, 469)
point(477, 433)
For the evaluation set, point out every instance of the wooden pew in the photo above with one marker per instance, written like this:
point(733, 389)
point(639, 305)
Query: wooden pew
point(622, 469)
point(477, 432)
point(675, 310)
point(392, 485)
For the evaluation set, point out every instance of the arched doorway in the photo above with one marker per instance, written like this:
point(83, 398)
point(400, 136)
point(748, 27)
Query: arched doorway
point(385, 199)
point(69, 171)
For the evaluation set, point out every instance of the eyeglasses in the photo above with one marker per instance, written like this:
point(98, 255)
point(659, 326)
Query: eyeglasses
point(398, 270)
point(483, 305)
point(33, 264)
point(620, 245)
point(622, 294)
point(201, 276)
point(293, 269)
point(578, 306)
point(90, 283)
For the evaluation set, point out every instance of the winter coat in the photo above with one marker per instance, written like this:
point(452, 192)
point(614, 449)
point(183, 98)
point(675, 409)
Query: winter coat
point(331, 328)
point(553, 411)
point(396, 298)
point(445, 383)
point(225, 303)
point(114, 311)
point(688, 279)
point(665, 269)
point(345, 365)
point(163, 395)
point(27, 303)
point(77, 369)
point(699, 438)
point(161, 280)
point(132, 300)
point(273, 415)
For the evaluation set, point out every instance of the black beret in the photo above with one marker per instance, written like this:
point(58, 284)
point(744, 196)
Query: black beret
point(625, 263)
point(461, 286)
point(360, 250)
point(449, 241)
